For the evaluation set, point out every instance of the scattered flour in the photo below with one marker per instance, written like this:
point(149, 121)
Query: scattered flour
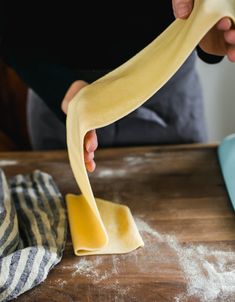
point(8, 162)
point(133, 160)
point(106, 173)
point(132, 163)
point(60, 282)
point(94, 271)
point(86, 267)
point(91, 269)
point(209, 274)
point(144, 227)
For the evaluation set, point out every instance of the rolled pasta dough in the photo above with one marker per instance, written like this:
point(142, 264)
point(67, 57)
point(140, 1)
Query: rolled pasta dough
point(101, 227)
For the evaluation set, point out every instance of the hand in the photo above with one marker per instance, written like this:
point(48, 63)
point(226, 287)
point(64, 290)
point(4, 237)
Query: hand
point(220, 40)
point(90, 141)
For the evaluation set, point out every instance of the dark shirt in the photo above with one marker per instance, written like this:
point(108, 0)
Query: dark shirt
point(51, 45)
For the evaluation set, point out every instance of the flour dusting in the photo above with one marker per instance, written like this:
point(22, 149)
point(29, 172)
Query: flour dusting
point(144, 227)
point(90, 269)
point(209, 275)
point(106, 172)
point(8, 162)
point(60, 282)
point(133, 160)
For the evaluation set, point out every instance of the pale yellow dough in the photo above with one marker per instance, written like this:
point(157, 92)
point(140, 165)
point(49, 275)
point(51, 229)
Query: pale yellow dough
point(120, 226)
point(112, 97)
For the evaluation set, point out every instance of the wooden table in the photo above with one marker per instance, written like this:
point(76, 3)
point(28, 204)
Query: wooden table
point(178, 198)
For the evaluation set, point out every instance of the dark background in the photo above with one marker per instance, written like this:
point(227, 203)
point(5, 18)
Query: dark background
point(13, 130)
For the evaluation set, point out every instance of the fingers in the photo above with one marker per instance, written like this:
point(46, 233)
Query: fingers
point(90, 166)
point(89, 161)
point(231, 53)
point(71, 92)
point(225, 25)
point(182, 8)
point(90, 145)
point(91, 142)
point(229, 37)
point(88, 156)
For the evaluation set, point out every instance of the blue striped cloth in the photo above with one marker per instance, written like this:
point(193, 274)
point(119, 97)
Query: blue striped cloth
point(33, 228)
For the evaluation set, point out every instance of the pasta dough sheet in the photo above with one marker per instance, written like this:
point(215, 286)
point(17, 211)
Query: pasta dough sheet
point(112, 97)
point(118, 221)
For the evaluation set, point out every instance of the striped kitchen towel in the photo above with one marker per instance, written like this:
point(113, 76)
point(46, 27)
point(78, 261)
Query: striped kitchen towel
point(33, 228)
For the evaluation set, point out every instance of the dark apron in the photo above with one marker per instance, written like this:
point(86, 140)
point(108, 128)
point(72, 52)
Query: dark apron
point(173, 115)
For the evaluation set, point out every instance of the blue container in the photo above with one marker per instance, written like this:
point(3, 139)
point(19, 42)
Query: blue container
point(226, 154)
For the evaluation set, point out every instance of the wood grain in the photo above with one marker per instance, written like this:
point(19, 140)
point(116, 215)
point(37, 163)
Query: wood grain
point(176, 190)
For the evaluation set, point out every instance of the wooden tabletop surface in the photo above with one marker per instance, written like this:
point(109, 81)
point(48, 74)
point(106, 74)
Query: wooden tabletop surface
point(178, 199)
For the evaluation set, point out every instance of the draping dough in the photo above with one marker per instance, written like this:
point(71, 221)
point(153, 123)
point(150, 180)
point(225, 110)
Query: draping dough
point(112, 97)
point(118, 221)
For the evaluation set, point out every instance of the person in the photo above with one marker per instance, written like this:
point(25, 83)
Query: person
point(69, 48)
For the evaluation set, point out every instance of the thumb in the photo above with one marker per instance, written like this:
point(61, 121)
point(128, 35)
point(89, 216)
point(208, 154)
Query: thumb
point(182, 8)
point(71, 92)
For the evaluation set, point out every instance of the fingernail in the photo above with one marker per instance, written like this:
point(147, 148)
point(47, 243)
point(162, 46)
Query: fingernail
point(182, 10)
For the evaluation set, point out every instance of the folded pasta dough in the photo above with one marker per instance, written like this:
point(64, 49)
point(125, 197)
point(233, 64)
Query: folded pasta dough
point(112, 97)
point(118, 221)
